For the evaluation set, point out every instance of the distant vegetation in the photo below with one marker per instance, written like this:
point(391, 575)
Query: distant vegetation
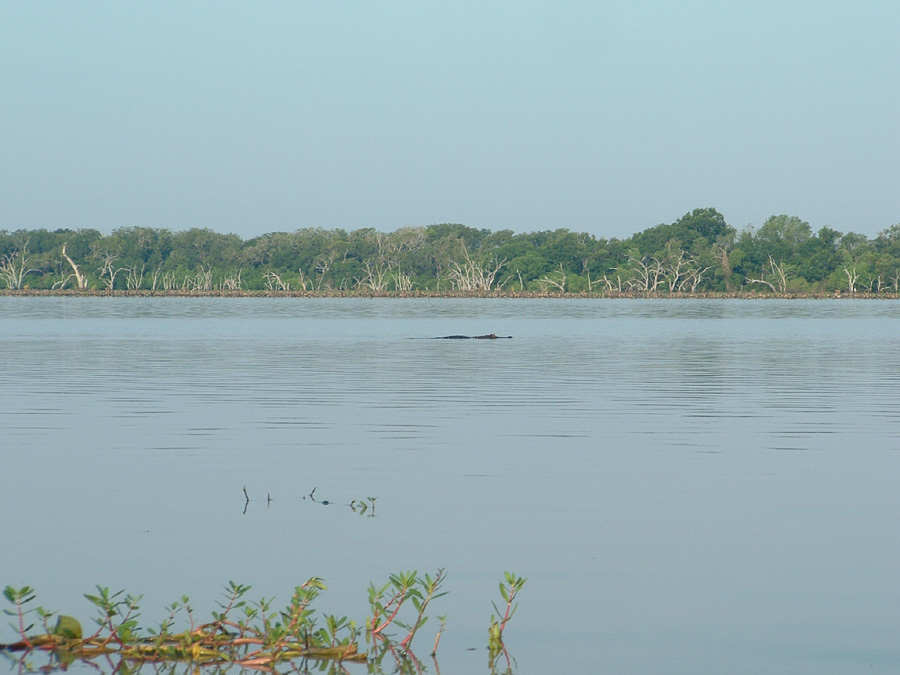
point(697, 254)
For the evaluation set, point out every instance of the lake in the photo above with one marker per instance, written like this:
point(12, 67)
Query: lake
point(688, 485)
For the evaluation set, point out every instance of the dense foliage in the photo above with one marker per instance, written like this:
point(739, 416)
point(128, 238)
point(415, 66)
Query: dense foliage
point(698, 253)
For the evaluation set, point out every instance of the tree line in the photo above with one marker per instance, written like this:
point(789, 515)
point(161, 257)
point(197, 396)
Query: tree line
point(697, 254)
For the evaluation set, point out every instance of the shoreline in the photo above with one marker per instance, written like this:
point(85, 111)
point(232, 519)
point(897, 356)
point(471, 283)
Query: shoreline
point(524, 295)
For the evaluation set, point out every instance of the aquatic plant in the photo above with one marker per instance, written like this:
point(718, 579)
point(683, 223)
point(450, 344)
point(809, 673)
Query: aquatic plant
point(243, 633)
point(387, 601)
point(247, 634)
point(508, 591)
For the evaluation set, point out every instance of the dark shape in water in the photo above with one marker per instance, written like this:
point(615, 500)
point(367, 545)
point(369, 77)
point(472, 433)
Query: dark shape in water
point(474, 337)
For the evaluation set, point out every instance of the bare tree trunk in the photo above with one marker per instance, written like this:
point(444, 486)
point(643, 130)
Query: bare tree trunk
point(777, 272)
point(156, 277)
point(674, 270)
point(61, 283)
point(762, 281)
point(376, 278)
point(694, 279)
point(233, 282)
point(133, 278)
point(472, 276)
point(202, 281)
point(80, 279)
point(14, 267)
point(274, 282)
point(402, 281)
point(852, 278)
point(587, 271)
point(559, 284)
point(106, 270)
point(649, 275)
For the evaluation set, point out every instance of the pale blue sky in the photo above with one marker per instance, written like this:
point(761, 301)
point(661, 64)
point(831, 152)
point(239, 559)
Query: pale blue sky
point(601, 117)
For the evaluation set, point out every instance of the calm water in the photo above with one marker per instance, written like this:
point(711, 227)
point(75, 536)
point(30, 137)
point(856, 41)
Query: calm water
point(688, 486)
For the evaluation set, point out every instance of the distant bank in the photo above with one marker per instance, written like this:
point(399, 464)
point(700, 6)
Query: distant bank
point(525, 295)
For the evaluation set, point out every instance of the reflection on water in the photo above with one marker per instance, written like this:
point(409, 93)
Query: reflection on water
point(688, 485)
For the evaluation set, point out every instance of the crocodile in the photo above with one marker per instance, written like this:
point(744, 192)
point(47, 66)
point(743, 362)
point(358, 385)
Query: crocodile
point(473, 337)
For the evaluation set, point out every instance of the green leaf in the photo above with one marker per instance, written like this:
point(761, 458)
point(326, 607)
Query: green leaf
point(67, 627)
point(316, 582)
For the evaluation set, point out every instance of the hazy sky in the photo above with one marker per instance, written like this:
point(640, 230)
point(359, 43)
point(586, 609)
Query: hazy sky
point(601, 117)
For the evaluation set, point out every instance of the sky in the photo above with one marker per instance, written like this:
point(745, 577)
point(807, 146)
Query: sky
point(599, 117)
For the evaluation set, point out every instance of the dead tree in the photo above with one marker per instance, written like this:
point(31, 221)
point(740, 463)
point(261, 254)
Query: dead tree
point(852, 278)
point(403, 282)
point(323, 265)
point(559, 283)
point(233, 282)
point(776, 272)
point(134, 278)
point(610, 286)
point(108, 272)
point(169, 282)
point(155, 277)
point(674, 269)
point(202, 281)
point(376, 278)
point(14, 267)
point(274, 282)
point(80, 279)
point(649, 275)
point(471, 276)
point(895, 281)
point(693, 278)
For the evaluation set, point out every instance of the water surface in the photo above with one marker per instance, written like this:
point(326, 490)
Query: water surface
point(689, 486)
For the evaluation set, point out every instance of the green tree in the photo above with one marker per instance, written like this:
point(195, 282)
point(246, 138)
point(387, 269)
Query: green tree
point(783, 235)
